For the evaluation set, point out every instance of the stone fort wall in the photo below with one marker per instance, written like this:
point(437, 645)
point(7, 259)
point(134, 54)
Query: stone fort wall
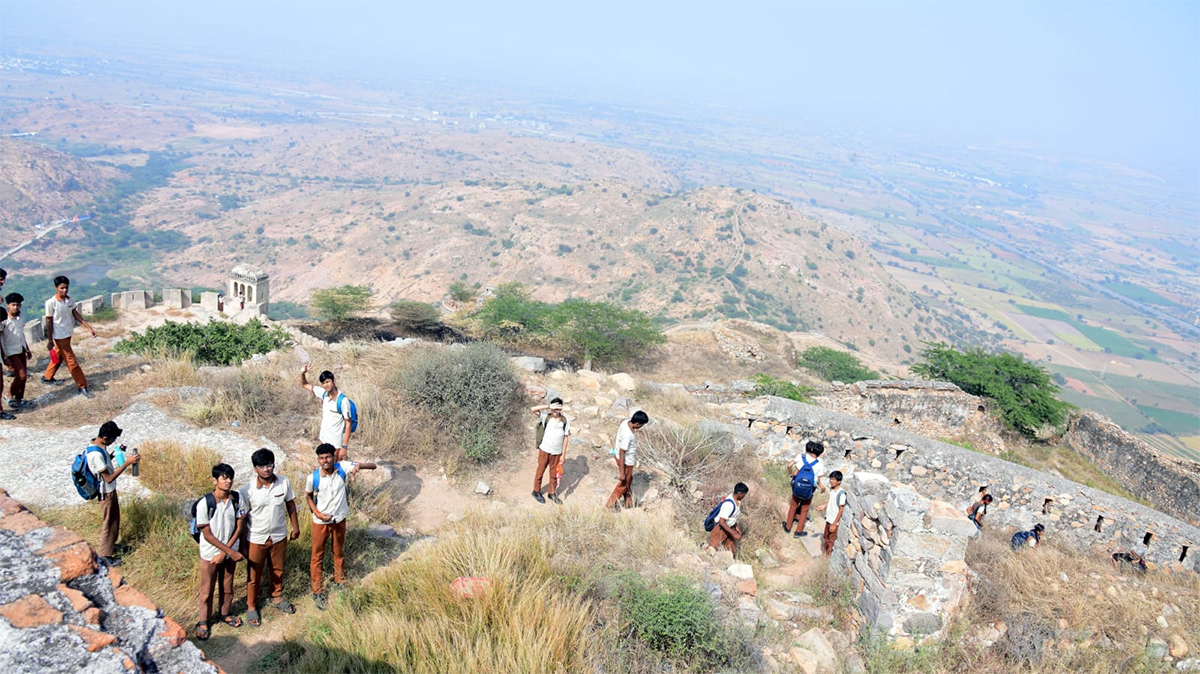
point(1087, 519)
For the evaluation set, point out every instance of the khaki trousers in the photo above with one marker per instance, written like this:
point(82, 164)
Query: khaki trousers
point(802, 515)
point(219, 576)
point(320, 534)
point(546, 461)
point(21, 371)
point(110, 524)
point(829, 538)
point(258, 557)
point(68, 358)
point(624, 489)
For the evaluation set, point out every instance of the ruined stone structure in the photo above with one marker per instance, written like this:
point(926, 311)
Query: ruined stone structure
point(174, 298)
point(132, 300)
point(1173, 486)
point(1087, 519)
point(249, 287)
point(91, 305)
point(904, 556)
point(60, 612)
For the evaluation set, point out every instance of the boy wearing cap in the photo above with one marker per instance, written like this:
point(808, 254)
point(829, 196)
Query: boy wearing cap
point(554, 429)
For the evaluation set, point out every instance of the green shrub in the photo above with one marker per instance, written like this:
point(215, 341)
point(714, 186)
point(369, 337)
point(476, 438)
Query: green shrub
point(1024, 392)
point(415, 316)
point(212, 343)
point(833, 365)
point(766, 385)
point(471, 391)
point(341, 303)
point(461, 292)
point(676, 618)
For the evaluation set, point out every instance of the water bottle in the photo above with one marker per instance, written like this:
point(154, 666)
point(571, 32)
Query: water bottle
point(119, 456)
point(136, 466)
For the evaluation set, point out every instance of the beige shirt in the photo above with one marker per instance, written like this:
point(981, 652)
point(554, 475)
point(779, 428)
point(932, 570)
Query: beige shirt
point(331, 496)
point(12, 338)
point(222, 524)
point(62, 315)
point(267, 508)
point(100, 462)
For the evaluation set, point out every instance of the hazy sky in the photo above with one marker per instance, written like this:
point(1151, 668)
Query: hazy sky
point(1106, 80)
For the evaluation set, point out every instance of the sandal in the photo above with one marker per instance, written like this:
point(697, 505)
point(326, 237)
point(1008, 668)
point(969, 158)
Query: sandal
point(232, 621)
point(253, 618)
point(284, 605)
point(202, 631)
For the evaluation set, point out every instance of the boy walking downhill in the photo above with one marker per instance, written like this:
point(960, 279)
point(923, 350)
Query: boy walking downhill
point(554, 429)
point(806, 471)
point(833, 512)
point(14, 350)
point(101, 464)
point(61, 317)
point(335, 411)
point(977, 510)
point(330, 504)
point(220, 517)
point(271, 506)
point(726, 532)
point(626, 452)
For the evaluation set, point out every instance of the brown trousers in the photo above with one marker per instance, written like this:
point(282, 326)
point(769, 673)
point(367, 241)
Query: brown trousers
point(258, 557)
point(624, 488)
point(21, 373)
point(793, 515)
point(68, 358)
point(719, 537)
point(829, 539)
point(546, 461)
point(321, 533)
point(110, 524)
point(219, 576)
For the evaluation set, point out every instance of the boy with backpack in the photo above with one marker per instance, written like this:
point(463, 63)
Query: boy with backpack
point(723, 520)
point(977, 510)
point(833, 512)
point(1027, 539)
point(339, 414)
point(15, 353)
point(553, 432)
point(217, 527)
point(806, 471)
point(95, 476)
point(271, 506)
point(330, 504)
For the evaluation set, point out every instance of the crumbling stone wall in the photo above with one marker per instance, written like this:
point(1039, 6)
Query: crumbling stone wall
point(59, 612)
point(1173, 486)
point(904, 556)
point(954, 474)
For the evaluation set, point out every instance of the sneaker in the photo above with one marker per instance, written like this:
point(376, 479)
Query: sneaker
point(13, 403)
point(538, 495)
point(786, 530)
point(319, 600)
point(52, 382)
point(556, 499)
point(110, 561)
point(85, 393)
point(27, 404)
point(7, 415)
point(802, 534)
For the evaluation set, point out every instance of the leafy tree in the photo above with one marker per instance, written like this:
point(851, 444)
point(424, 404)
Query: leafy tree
point(415, 316)
point(461, 292)
point(341, 303)
point(833, 365)
point(603, 332)
point(1025, 393)
point(512, 312)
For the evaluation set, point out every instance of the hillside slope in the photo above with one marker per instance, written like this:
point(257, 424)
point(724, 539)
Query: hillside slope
point(38, 184)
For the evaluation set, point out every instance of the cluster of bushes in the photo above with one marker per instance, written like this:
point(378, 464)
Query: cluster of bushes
point(599, 332)
point(766, 385)
point(212, 343)
point(833, 365)
point(1025, 393)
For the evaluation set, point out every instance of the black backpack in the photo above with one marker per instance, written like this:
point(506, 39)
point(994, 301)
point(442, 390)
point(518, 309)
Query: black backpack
point(211, 504)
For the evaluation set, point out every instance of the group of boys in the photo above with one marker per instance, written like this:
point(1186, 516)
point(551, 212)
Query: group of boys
point(62, 315)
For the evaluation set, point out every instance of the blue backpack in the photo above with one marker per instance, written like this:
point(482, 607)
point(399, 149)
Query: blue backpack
point(86, 482)
point(1021, 538)
point(210, 503)
point(710, 522)
point(353, 411)
point(317, 477)
point(804, 482)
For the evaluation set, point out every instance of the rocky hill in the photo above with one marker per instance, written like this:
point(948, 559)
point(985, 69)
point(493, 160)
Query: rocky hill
point(38, 184)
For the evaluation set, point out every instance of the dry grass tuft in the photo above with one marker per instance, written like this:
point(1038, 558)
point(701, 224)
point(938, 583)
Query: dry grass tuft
point(170, 468)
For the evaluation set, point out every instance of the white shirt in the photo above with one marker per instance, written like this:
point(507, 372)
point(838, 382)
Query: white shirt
point(62, 312)
point(557, 430)
point(627, 441)
point(12, 337)
point(333, 420)
point(818, 468)
point(730, 510)
point(837, 499)
point(331, 496)
point(267, 508)
point(222, 525)
point(100, 462)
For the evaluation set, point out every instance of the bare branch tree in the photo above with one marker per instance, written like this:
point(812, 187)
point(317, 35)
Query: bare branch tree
point(683, 453)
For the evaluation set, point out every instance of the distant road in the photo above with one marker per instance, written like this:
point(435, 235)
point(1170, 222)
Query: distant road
point(44, 232)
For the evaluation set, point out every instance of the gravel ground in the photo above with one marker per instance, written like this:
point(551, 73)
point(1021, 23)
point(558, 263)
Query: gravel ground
point(35, 463)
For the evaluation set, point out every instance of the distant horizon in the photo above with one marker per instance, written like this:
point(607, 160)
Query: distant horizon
point(1110, 82)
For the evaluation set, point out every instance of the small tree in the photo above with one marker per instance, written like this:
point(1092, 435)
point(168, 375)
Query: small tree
point(461, 292)
point(603, 332)
point(833, 365)
point(511, 312)
point(341, 303)
point(415, 316)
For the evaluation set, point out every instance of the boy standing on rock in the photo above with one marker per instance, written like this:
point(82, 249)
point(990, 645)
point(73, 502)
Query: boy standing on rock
point(101, 465)
point(330, 505)
point(806, 472)
point(335, 411)
point(554, 429)
point(626, 452)
point(271, 505)
point(14, 350)
point(220, 532)
point(61, 317)
point(833, 512)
